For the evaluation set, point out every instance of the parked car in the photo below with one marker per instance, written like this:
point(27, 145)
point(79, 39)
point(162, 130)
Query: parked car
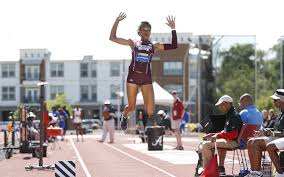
point(88, 125)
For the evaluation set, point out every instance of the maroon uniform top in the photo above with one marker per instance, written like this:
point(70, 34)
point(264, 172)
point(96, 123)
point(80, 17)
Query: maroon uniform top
point(142, 54)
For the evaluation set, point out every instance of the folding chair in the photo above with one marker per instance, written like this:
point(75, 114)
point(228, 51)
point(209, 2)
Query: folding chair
point(246, 132)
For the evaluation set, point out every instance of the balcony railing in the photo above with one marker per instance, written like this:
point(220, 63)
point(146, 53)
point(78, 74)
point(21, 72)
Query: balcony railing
point(30, 100)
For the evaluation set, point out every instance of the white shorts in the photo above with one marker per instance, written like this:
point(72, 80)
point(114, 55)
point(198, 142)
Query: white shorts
point(77, 120)
point(266, 139)
point(279, 143)
point(176, 123)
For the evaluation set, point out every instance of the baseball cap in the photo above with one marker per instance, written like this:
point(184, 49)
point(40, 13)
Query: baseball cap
point(224, 98)
point(278, 95)
point(174, 92)
point(31, 114)
point(161, 112)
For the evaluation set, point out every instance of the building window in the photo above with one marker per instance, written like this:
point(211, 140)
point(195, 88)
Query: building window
point(173, 68)
point(31, 95)
point(32, 72)
point(8, 70)
point(56, 90)
point(114, 89)
point(114, 69)
point(177, 87)
point(8, 93)
point(84, 69)
point(94, 69)
point(57, 69)
point(88, 93)
point(84, 93)
point(94, 93)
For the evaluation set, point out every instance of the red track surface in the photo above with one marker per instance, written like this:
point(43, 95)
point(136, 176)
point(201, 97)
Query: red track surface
point(104, 160)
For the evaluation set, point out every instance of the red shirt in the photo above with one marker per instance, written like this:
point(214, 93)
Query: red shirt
point(177, 110)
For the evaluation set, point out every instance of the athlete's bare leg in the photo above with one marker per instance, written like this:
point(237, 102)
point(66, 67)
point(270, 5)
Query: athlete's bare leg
point(132, 90)
point(148, 96)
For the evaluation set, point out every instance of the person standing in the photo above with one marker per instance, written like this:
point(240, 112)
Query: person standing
point(66, 120)
point(77, 120)
point(177, 115)
point(139, 73)
point(61, 121)
point(108, 124)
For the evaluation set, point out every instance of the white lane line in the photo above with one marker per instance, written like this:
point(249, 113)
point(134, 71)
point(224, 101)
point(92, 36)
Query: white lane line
point(80, 159)
point(146, 163)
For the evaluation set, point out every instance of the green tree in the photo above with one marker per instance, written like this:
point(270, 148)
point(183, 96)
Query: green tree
point(236, 74)
point(240, 82)
point(268, 76)
point(59, 101)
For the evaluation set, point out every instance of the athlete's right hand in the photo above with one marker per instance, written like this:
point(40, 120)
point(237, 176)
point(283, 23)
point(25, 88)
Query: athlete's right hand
point(121, 16)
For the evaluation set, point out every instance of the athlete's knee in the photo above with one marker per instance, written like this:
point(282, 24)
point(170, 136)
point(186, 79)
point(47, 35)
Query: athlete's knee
point(249, 144)
point(256, 144)
point(271, 147)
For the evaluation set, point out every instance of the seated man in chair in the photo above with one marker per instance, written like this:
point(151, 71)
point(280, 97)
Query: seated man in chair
point(258, 144)
point(250, 115)
point(225, 139)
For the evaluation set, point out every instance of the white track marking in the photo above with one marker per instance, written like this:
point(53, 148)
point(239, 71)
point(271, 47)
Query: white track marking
point(80, 159)
point(146, 163)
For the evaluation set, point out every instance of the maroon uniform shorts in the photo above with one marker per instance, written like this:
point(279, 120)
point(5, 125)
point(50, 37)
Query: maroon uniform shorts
point(139, 78)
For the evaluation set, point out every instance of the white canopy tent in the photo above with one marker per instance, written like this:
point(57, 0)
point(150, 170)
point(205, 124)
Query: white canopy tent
point(162, 97)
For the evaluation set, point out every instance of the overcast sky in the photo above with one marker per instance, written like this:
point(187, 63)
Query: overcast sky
point(71, 29)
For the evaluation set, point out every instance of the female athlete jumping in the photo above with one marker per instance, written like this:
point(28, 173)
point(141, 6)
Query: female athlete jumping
point(139, 74)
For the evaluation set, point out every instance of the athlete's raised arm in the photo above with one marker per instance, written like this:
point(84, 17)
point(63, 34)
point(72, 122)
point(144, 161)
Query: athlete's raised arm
point(113, 36)
point(171, 23)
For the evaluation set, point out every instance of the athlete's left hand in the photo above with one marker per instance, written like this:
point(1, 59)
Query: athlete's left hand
point(171, 21)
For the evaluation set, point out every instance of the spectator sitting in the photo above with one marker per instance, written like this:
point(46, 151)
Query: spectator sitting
point(225, 139)
point(249, 115)
point(34, 133)
point(258, 144)
point(165, 121)
point(52, 120)
point(265, 118)
point(272, 118)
